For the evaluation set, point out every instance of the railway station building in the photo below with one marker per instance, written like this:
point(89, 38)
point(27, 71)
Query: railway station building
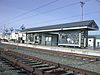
point(73, 34)
point(94, 41)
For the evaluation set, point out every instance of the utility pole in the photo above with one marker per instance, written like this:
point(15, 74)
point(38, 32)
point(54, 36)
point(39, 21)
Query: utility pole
point(82, 5)
point(4, 28)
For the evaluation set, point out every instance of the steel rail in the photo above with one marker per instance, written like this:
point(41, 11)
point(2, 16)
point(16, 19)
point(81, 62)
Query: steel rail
point(22, 60)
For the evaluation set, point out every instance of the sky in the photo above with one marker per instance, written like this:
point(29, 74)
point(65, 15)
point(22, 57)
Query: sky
point(37, 13)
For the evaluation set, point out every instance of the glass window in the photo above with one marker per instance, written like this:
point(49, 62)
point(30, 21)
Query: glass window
point(98, 44)
point(89, 40)
point(48, 39)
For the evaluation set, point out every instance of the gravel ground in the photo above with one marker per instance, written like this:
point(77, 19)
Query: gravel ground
point(90, 66)
point(6, 70)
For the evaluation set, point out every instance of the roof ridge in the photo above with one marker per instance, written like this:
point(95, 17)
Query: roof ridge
point(64, 25)
point(61, 23)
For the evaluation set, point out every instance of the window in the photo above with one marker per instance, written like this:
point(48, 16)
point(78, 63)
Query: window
point(48, 39)
point(89, 40)
point(98, 44)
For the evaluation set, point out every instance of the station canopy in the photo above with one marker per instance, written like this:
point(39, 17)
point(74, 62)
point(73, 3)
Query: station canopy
point(88, 24)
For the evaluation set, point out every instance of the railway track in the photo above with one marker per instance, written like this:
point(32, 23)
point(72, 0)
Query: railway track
point(64, 54)
point(37, 66)
point(8, 68)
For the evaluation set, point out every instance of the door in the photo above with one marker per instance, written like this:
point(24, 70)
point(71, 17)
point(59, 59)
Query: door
point(48, 41)
point(98, 44)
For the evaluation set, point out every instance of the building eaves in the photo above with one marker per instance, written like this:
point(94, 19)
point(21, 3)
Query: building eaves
point(59, 26)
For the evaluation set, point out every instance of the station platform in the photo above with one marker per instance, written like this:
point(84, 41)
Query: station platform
point(62, 49)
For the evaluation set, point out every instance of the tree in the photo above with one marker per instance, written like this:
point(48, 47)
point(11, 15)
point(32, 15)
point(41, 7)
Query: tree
point(11, 29)
point(22, 27)
point(6, 30)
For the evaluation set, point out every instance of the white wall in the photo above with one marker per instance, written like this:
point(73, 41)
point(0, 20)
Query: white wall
point(1, 35)
point(90, 42)
point(13, 36)
point(97, 40)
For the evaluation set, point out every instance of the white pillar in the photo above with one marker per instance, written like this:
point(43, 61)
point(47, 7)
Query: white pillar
point(79, 39)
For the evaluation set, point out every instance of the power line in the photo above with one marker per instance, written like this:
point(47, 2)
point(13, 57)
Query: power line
point(58, 8)
point(71, 17)
point(98, 1)
point(33, 10)
point(46, 11)
point(68, 17)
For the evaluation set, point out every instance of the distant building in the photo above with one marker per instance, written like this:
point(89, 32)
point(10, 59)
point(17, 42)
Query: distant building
point(97, 41)
point(18, 37)
point(94, 41)
point(69, 34)
point(5, 36)
point(1, 35)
